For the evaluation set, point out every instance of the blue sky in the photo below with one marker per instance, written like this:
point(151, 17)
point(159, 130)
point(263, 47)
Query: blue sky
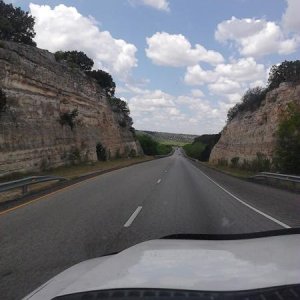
point(180, 64)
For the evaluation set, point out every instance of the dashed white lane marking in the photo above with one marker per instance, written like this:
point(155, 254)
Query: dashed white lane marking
point(133, 216)
point(246, 204)
point(158, 181)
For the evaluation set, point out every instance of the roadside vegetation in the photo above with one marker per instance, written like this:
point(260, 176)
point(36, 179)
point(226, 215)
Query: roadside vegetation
point(152, 147)
point(287, 152)
point(287, 71)
point(287, 157)
point(16, 25)
point(201, 147)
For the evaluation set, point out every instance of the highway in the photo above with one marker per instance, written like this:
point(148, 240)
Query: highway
point(116, 210)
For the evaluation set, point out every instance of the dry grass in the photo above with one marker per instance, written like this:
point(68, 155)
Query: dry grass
point(231, 171)
point(69, 172)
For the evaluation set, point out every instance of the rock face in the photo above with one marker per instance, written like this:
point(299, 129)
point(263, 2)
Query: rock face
point(250, 133)
point(39, 91)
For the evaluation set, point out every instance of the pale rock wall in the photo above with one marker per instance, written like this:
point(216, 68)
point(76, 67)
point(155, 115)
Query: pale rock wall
point(38, 91)
point(250, 133)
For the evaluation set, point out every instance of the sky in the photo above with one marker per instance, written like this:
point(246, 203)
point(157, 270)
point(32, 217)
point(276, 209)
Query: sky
point(180, 64)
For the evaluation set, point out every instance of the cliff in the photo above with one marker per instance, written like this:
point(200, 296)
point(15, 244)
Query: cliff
point(254, 132)
point(39, 91)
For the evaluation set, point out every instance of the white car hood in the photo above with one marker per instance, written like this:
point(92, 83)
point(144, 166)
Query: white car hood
point(186, 264)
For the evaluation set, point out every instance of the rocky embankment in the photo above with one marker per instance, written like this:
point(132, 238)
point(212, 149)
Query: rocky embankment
point(39, 90)
point(254, 132)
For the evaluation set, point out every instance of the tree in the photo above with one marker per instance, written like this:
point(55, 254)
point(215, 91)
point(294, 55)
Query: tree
point(250, 102)
point(148, 145)
point(105, 80)
point(288, 144)
point(77, 58)
point(288, 71)
point(119, 105)
point(16, 25)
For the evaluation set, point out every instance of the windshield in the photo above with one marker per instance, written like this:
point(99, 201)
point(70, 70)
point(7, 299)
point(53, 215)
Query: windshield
point(127, 121)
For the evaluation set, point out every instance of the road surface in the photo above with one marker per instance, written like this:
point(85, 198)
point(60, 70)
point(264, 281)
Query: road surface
point(113, 211)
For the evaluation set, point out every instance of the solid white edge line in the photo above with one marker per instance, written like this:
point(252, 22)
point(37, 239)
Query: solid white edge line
point(158, 181)
point(246, 204)
point(133, 216)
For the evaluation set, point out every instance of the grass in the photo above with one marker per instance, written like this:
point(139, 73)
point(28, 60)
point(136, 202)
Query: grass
point(172, 143)
point(231, 171)
point(69, 172)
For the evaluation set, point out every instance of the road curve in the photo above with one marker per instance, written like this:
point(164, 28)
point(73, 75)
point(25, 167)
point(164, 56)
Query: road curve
point(119, 209)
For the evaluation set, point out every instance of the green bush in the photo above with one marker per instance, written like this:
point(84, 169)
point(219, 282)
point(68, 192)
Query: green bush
point(250, 102)
point(287, 154)
point(105, 81)
point(68, 118)
point(16, 25)
point(163, 149)
point(152, 147)
point(194, 150)
point(235, 162)
point(260, 164)
point(101, 152)
point(75, 58)
point(148, 145)
point(287, 71)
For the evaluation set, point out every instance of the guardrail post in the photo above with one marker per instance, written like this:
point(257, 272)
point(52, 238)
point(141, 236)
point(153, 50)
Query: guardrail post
point(24, 189)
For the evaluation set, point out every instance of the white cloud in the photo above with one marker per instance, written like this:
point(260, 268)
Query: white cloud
point(255, 37)
point(195, 75)
point(175, 50)
point(158, 110)
point(225, 86)
point(197, 93)
point(157, 4)
point(290, 18)
point(64, 28)
point(242, 70)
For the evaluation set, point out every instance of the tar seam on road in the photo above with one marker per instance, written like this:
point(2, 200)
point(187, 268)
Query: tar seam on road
point(133, 216)
point(246, 204)
point(158, 181)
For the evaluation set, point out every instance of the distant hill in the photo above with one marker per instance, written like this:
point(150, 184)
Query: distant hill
point(178, 139)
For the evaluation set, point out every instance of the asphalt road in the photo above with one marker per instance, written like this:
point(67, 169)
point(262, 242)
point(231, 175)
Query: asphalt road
point(119, 209)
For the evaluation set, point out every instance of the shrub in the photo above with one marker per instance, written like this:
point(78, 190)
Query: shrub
point(74, 156)
point(194, 150)
point(132, 153)
point(101, 152)
point(287, 154)
point(235, 162)
point(75, 58)
point(250, 101)
point(68, 118)
point(122, 123)
point(222, 162)
point(3, 101)
point(288, 71)
point(148, 145)
point(16, 25)
point(118, 154)
point(105, 81)
point(163, 149)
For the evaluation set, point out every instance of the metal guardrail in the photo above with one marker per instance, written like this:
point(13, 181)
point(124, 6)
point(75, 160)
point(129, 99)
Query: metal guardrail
point(25, 182)
point(283, 177)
